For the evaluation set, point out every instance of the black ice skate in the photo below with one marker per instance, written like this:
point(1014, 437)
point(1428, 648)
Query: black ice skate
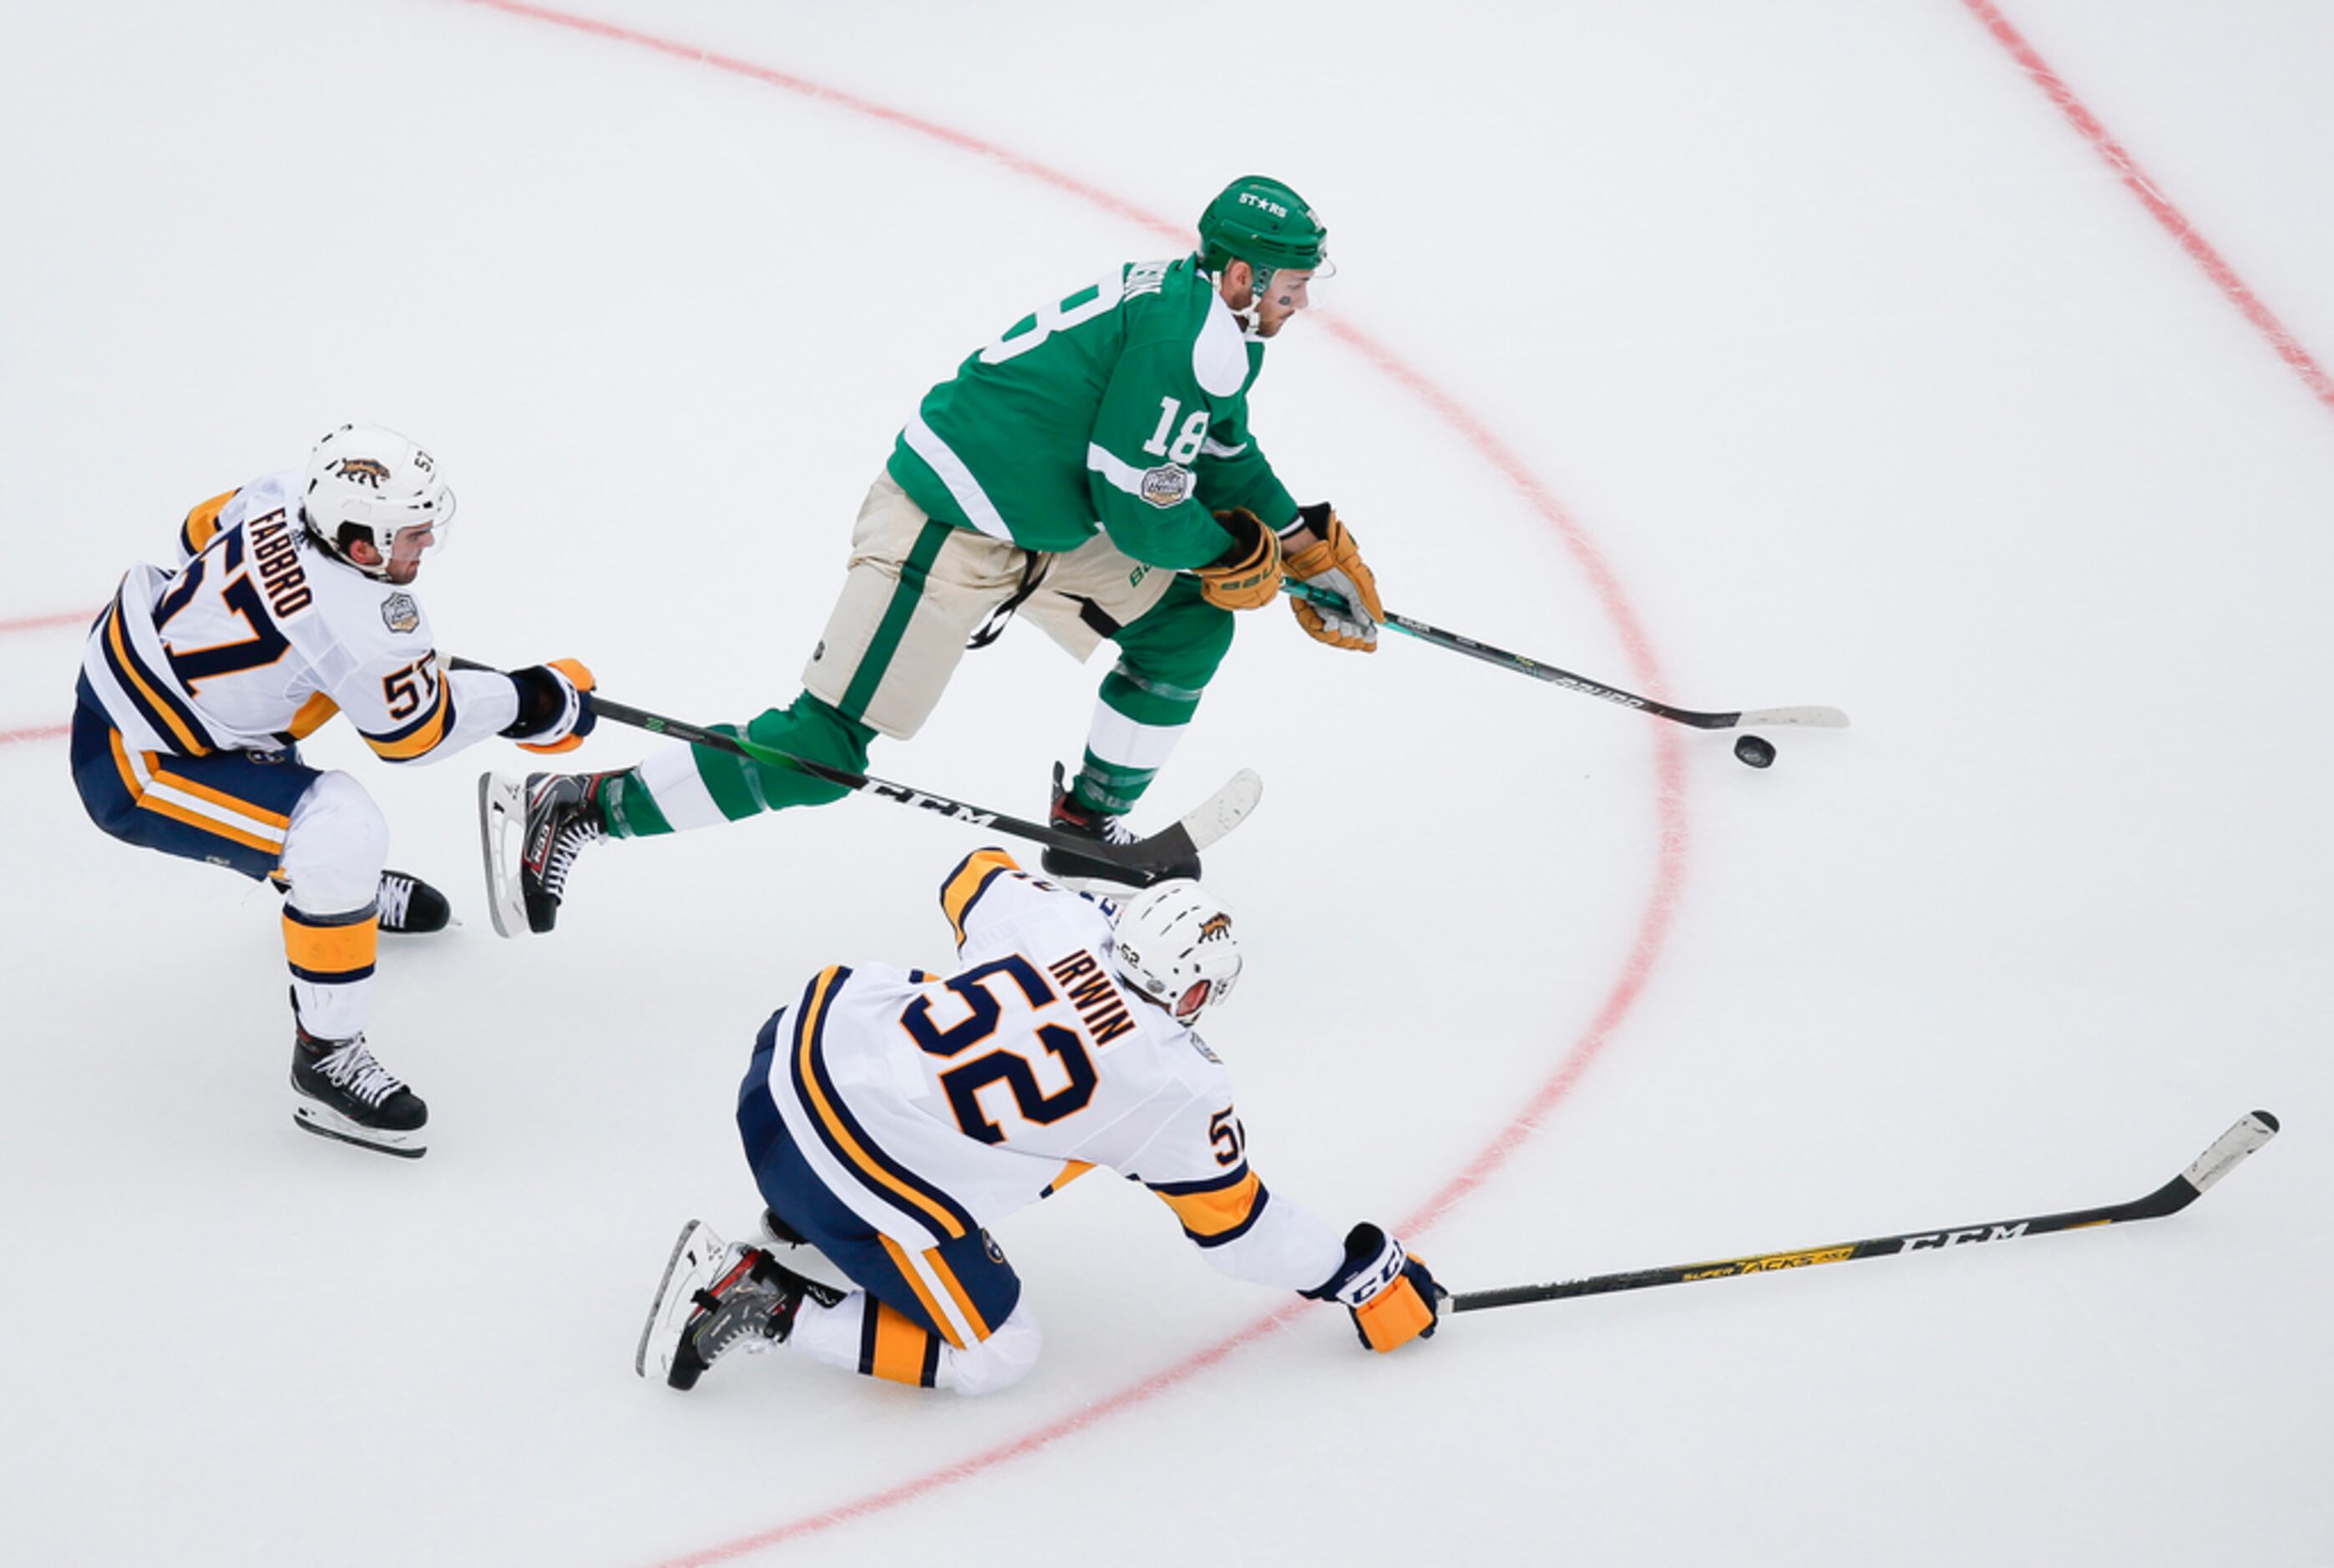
point(410, 906)
point(344, 1094)
point(1080, 871)
point(716, 1297)
point(532, 833)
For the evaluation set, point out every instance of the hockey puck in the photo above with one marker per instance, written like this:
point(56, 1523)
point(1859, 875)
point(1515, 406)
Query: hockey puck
point(1753, 752)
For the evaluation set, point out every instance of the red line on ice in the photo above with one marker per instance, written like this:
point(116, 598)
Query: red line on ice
point(1669, 766)
point(43, 622)
point(2126, 168)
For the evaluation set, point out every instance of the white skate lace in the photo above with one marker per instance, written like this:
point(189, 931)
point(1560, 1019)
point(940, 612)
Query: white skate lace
point(572, 841)
point(396, 893)
point(353, 1068)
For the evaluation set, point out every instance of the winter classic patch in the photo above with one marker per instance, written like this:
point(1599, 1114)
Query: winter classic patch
point(1167, 486)
point(399, 614)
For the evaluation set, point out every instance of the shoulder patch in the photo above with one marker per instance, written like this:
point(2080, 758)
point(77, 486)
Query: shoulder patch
point(399, 614)
point(1166, 486)
point(1220, 354)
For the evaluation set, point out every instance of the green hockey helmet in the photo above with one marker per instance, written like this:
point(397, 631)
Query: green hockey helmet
point(1262, 222)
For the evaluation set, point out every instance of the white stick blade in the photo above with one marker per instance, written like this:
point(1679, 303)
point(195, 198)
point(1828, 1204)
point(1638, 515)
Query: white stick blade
point(1805, 717)
point(1221, 812)
point(2257, 1129)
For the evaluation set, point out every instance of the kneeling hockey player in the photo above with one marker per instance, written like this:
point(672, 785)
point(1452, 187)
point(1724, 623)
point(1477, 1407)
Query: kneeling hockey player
point(1091, 470)
point(289, 605)
point(890, 1115)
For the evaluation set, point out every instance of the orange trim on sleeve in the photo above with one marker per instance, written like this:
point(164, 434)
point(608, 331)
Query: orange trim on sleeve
point(1071, 1170)
point(414, 742)
point(202, 522)
point(957, 896)
point(313, 715)
point(1218, 1210)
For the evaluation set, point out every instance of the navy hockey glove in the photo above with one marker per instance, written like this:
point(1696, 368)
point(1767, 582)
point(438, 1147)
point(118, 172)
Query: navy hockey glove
point(1393, 1298)
point(555, 706)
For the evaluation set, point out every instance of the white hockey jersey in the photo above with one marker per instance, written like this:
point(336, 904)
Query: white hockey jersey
point(936, 1105)
point(258, 638)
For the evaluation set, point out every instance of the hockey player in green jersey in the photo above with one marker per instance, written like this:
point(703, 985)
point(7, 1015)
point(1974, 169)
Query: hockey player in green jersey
point(1091, 470)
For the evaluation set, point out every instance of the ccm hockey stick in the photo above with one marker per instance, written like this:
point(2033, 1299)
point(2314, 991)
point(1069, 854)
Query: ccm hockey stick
point(2174, 1195)
point(1210, 819)
point(1816, 717)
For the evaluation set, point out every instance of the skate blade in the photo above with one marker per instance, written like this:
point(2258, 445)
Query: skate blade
point(696, 1262)
point(502, 840)
point(326, 1122)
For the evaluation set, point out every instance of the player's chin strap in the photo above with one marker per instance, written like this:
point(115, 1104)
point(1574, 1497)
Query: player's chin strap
point(1250, 316)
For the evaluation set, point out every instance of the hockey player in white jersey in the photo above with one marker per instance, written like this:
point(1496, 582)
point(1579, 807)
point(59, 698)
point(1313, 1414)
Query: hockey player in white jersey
point(289, 604)
point(890, 1116)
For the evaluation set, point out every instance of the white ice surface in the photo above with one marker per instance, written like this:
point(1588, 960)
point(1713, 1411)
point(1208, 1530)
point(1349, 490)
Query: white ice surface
point(1858, 377)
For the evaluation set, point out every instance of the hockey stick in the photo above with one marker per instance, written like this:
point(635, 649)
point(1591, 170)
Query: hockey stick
point(1210, 819)
point(2174, 1195)
point(1816, 717)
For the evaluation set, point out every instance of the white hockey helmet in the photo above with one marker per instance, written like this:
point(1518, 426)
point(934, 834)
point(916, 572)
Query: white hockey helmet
point(1173, 942)
point(366, 483)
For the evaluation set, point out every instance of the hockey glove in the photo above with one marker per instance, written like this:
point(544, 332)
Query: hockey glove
point(555, 706)
point(1393, 1298)
point(1334, 564)
point(1247, 575)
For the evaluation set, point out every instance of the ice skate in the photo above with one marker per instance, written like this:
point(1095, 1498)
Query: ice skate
point(531, 833)
point(344, 1094)
point(411, 906)
point(715, 1297)
point(1081, 872)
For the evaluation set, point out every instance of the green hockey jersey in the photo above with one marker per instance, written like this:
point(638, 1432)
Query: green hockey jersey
point(1123, 407)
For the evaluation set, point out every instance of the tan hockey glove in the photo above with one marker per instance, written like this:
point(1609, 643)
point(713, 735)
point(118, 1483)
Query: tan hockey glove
point(1334, 564)
point(1247, 575)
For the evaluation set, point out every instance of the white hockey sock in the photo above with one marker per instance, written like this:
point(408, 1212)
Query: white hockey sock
point(680, 792)
point(859, 1334)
